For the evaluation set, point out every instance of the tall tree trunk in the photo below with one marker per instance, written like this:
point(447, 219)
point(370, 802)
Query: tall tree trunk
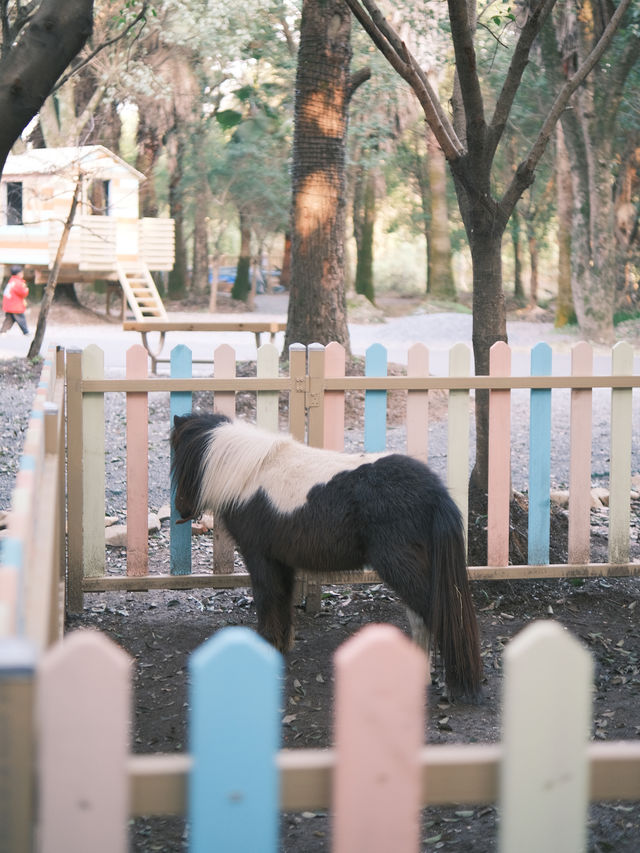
point(564, 303)
point(54, 34)
point(179, 274)
point(149, 146)
point(364, 217)
point(514, 227)
point(285, 272)
point(317, 307)
point(489, 326)
point(242, 283)
point(440, 272)
point(200, 273)
point(534, 255)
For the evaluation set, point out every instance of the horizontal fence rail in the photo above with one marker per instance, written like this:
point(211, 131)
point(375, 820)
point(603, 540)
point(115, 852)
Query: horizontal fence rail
point(316, 390)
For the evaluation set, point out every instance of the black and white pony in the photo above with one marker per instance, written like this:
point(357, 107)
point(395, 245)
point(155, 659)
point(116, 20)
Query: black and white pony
point(291, 506)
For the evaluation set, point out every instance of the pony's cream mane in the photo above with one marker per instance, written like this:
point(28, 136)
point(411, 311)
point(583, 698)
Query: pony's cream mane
point(241, 459)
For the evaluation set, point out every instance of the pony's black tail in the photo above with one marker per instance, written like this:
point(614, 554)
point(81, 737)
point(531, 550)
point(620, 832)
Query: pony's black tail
point(452, 618)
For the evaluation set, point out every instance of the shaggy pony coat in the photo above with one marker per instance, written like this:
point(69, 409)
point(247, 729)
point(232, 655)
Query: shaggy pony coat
point(291, 506)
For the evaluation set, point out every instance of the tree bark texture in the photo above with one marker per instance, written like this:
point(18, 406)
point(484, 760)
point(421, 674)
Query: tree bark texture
point(440, 271)
point(178, 275)
point(564, 303)
point(317, 307)
point(242, 283)
point(28, 71)
point(364, 218)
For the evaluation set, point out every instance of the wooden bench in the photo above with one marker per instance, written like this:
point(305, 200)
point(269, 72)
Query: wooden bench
point(258, 327)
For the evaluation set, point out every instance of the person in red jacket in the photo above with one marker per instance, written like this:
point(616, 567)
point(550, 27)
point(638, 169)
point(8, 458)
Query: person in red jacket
point(13, 302)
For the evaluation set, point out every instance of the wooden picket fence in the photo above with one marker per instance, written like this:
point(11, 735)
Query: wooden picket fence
point(316, 387)
point(235, 779)
point(52, 693)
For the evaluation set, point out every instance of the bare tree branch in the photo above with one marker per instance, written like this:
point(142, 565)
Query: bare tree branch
point(467, 70)
point(524, 173)
point(140, 17)
point(399, 57)
point(519, 62)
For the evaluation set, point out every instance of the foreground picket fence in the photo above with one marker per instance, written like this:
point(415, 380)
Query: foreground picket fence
point(316, 387)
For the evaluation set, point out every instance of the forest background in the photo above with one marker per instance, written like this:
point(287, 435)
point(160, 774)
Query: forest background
point(467, 148)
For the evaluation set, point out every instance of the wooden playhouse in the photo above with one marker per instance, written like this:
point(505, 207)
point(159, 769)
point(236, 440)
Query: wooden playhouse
point(108, 239)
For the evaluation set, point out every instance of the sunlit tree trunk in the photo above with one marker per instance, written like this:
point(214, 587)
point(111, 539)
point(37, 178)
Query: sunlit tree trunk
point(317, 305)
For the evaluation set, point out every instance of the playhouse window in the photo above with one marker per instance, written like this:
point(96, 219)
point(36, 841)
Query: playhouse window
point(14, 203)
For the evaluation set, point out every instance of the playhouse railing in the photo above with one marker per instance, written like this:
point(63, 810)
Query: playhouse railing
point(316, 387)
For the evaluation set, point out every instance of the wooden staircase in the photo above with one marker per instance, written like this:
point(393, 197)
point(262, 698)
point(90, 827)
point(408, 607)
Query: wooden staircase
point(140, 291)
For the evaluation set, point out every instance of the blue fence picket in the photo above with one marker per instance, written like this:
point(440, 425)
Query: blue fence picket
point(539, 458)
point(375, 402)
point(234, 739)
point(180, 404)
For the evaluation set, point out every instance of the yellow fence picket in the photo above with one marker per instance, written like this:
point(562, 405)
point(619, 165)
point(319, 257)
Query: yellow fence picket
point(267, 401)
point(418, 405)
point(137, 466)
point(580, 459)
point(83, 791)
point(620, 464)
point(544, 783)
point(93, 467)
point(224, 367)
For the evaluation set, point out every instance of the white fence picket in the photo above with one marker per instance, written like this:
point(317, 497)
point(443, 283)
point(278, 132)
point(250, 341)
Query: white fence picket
point(544, 785)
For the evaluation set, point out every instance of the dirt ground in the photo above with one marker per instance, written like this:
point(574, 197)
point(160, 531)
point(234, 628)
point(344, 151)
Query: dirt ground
point(160, 629)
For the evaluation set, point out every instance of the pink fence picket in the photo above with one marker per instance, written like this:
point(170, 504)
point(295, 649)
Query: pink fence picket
point(379, 725)
point(499, 460)
point(137, 465)
point(83, 708)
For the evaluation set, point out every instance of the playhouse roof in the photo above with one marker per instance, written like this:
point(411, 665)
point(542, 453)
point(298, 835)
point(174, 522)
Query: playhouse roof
point(91, 159)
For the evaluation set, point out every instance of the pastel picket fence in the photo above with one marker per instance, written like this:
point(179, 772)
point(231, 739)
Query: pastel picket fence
point(109, 784)
point(315, 388)
point(375, 779)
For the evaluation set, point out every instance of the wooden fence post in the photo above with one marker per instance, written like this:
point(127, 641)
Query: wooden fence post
point(315, 396)
point(75, 501)
point(298, 393)
point(179, 404)
point(234, 730)
point(539, 459)
point(544, 781)
point(379, 732)
point(17, 667)
point(620, 467)
point(83, 713)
